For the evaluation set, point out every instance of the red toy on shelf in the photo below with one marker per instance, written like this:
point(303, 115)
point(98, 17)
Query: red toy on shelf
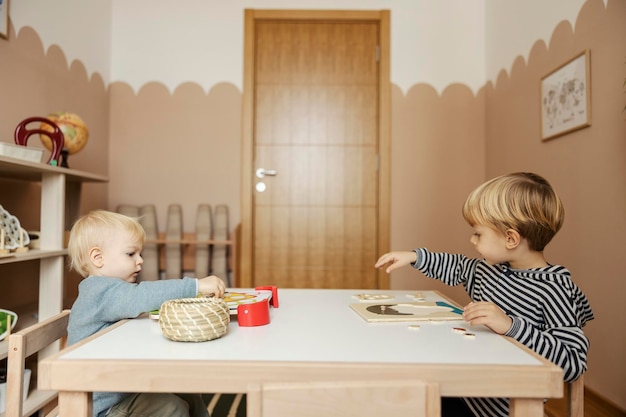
point(22, 133)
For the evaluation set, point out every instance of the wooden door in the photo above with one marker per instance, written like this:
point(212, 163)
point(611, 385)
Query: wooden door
point(315, 124)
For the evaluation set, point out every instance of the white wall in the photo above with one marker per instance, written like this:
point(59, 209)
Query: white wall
point(428, 40)
point(512, 28)
point(82, 29)
point(435, 42)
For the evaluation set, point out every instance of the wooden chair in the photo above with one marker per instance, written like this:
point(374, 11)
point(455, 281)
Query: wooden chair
point(573, 402)
point(576, 398)
point(397, 398)
point(40, 338)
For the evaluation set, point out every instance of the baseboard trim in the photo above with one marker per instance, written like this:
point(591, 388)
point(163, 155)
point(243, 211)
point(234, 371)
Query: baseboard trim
point(598, 406)
point(595, 406)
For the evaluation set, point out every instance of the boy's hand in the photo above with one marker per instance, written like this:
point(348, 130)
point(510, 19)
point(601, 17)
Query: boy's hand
point(489, 314)
point(396, 259)
point(211, 285)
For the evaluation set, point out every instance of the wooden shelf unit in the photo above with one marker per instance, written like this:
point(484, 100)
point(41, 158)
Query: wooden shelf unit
point(60, 206)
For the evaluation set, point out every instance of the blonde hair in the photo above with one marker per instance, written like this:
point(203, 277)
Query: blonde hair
point(521, 201)
point(93, 229)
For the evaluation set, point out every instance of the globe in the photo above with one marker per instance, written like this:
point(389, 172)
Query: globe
point(74, 131)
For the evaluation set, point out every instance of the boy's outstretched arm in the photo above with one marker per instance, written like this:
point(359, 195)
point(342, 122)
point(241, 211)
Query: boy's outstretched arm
point(395, 260)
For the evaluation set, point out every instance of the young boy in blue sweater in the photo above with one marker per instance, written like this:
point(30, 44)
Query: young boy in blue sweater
point(514, 290)
point(105, 248)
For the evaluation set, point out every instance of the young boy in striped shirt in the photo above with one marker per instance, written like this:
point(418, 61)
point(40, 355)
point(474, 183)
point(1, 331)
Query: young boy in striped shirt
point(514, 290)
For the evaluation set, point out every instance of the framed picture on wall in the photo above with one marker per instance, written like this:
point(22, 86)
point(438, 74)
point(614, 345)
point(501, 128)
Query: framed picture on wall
point(566, 98)
point(4, 19)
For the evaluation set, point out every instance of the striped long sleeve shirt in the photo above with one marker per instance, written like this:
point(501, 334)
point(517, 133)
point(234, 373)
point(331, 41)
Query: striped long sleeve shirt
point(548, 310)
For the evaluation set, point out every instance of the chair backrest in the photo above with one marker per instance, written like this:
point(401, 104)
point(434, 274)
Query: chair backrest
point(39, 338)
point(397, 398)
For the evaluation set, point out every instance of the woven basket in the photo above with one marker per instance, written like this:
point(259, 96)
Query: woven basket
point(194, 319)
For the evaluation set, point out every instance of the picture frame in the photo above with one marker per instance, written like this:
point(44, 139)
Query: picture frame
point(566, 97)
point(4, 19)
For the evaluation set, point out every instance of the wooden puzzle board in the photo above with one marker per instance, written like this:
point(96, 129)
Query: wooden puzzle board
point(235, 298)
point(407, 311)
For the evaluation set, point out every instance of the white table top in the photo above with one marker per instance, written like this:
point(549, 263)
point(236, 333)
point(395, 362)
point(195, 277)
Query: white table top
point(314, 335)
point(315, 326)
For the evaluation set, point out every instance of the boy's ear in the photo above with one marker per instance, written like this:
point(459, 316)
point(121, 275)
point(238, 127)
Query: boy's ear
point(96, 257)
point(513, 238)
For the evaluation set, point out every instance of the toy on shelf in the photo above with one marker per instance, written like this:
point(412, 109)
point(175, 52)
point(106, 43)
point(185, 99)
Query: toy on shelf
point(74, 131)
point(22, 247)
point(57, 140)
point(3, 249)
point(8, 319)
point(12, 236)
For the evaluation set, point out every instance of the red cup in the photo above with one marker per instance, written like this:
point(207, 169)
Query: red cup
point(253, 314)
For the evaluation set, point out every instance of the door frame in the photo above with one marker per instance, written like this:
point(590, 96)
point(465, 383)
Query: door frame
point(246, 245)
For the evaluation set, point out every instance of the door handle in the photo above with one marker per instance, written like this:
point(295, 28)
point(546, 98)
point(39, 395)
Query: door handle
point(262, 172)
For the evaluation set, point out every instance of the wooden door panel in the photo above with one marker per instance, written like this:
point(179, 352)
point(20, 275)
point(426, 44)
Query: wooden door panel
point(316, 115)
point(316, 123)
point(322, 176)
point(316, 247)
point(314, 53)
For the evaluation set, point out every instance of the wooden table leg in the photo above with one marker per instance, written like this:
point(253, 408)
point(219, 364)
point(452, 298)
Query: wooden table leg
point(526, 407)
point(75, 404)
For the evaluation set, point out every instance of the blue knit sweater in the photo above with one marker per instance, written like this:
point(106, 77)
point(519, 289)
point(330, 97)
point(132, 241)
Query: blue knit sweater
point(104, 301)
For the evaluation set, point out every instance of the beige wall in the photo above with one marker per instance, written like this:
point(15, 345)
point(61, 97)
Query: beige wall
point(35, 83)
point(181, 148)
point(443, 145)
point(438, 157)
point(440, 152)
point(587, 167)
